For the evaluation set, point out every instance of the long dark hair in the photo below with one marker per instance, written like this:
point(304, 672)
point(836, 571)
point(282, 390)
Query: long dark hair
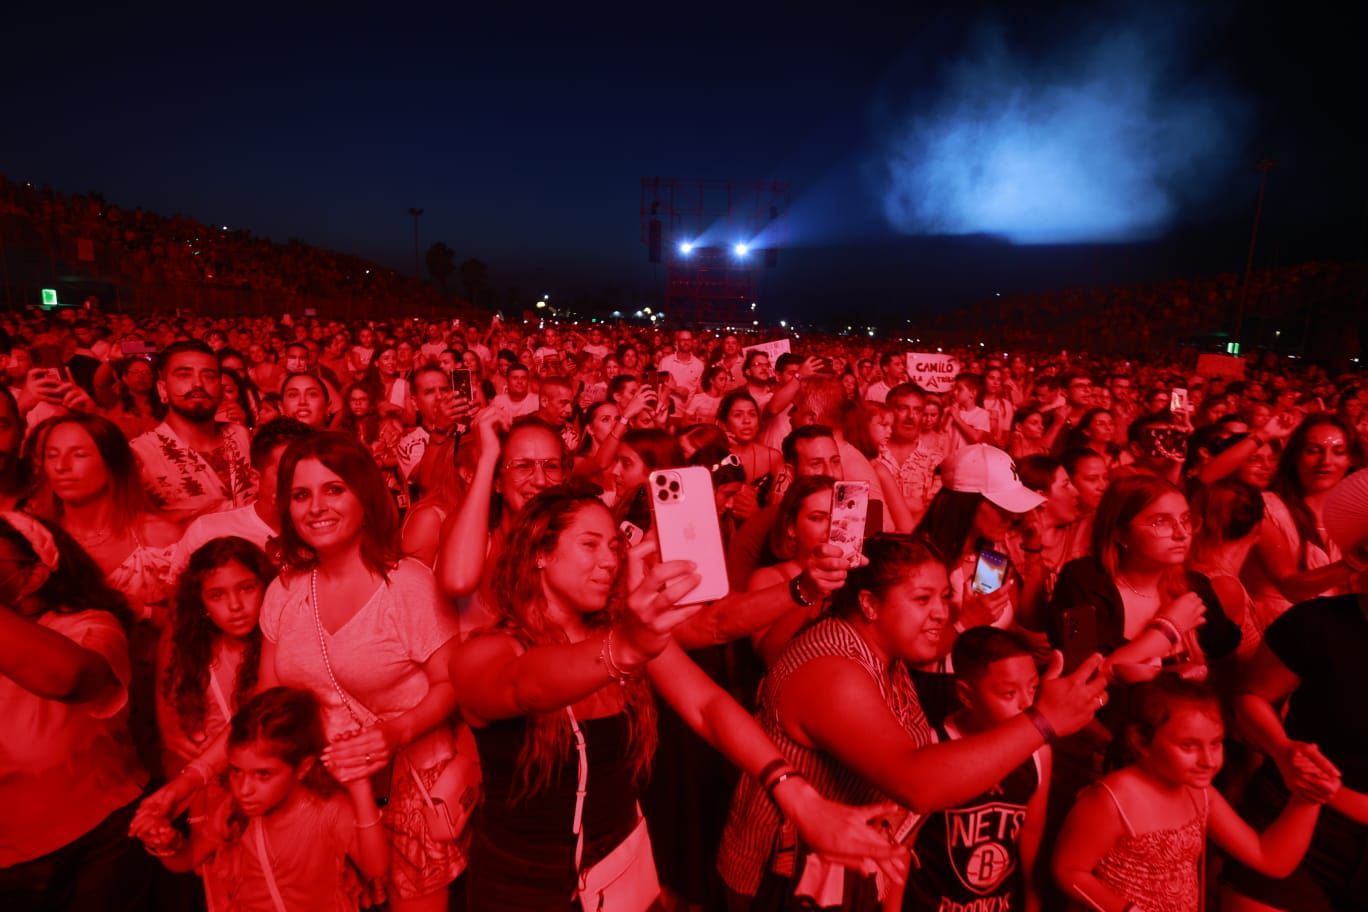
point(1124, 499)
point(77, 584)
point(1286, 481)
point(125, 486)
point(520, 602)
point(948, 522)
point(349, 459)
point(193, 632)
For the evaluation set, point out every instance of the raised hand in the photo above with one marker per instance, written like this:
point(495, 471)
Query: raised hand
point(1068, 703)
point(651, 613)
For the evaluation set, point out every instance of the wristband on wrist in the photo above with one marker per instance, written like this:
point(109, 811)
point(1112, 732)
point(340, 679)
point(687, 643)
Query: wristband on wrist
point(615, 671)
point(770, 769)
point(1168, 629)
point(1042, 724)
point(780, 780)
point(796, 590)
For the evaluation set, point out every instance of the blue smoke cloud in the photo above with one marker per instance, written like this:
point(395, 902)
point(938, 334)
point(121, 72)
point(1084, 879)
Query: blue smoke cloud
point(1109, 142)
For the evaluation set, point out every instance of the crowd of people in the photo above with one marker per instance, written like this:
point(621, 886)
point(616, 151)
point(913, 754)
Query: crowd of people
point(85, 234)
point(297, 614)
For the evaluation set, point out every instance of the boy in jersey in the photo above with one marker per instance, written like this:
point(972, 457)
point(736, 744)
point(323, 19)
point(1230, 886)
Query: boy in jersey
point(978, 857)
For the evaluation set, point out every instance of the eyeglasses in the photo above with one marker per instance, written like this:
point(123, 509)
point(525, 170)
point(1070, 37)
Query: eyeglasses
point(731, 459)
point(1166, 525)
point(552, 469)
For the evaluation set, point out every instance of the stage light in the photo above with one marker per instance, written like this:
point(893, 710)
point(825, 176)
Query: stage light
point(686, 247)
point(741, 249)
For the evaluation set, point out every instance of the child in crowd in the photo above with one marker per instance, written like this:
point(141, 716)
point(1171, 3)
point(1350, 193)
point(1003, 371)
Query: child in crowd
point(207, 661)
point(1136, 841)
point(283, 841)
point(980, 854)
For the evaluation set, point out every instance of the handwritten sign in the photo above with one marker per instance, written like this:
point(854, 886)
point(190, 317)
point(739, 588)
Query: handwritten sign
point(774, 349)
point(932, 371)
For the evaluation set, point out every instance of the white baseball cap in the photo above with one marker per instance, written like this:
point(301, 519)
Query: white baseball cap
point(983, 469)
point(1346, 511)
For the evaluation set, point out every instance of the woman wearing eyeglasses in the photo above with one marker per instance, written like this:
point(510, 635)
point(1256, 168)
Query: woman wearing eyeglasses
point(530, 458)
point(1130, 598)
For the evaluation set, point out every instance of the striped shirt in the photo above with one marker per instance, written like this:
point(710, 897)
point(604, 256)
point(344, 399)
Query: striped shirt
point(752, 831)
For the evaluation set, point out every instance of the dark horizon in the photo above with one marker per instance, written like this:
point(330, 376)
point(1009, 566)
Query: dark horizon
point(525, 144)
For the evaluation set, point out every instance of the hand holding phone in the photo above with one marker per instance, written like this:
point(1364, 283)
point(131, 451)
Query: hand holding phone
point(849, 507)
point(686, 521)
point(990, 571)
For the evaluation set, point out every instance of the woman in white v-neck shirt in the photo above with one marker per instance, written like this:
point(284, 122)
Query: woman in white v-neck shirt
point(364, 631)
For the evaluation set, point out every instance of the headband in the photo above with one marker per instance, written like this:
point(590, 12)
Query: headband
point(36, 534)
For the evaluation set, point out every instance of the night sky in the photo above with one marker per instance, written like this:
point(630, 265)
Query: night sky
point(524, 136)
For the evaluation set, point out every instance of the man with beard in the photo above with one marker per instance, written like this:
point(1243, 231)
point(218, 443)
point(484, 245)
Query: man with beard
point(190, 463)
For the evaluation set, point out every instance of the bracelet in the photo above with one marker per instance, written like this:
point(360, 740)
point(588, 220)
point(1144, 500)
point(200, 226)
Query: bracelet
point(781, 779)
point(615, 671)
point(198, 766)
point(168, 850)
point(1168, 629)
point(624, 420)
point(770, 769)
point(796, 590)
point(1042, 724)
point(367, 826)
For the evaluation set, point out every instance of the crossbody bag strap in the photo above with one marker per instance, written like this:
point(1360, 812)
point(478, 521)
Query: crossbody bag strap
point(259, 837)
point(581, 790)
point(219, 696)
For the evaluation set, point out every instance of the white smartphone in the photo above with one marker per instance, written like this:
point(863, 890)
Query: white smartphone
point(685, 519)
point(1178, 400)
point(849, 511)
point(399, 392)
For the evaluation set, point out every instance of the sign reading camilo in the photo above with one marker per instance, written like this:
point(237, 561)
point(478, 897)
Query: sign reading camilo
point(932, 371)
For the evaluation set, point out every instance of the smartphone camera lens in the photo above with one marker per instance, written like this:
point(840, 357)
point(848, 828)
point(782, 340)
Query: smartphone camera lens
point(663, 494)
point(674, 487)
point(660, 480)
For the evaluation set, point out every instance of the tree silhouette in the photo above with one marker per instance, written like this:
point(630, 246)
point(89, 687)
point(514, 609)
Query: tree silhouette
point(441, 263)
point(475, 279)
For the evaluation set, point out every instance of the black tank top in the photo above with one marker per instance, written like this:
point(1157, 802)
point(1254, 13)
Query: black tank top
point(530, 844)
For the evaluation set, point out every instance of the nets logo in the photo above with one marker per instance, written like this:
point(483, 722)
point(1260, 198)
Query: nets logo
point(982, 843)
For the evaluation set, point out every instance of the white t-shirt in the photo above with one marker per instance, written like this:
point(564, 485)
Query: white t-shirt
point(877, 392)
point(976, 418)
point(377, 655)
point(685, 374)
point(524, 406)
point(242, 522)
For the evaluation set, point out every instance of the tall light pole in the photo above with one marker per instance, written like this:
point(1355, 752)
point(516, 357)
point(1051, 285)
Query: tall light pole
point(1264, 167)
point(417, 263)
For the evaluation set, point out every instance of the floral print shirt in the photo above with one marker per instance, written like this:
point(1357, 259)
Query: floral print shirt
point(179, 479)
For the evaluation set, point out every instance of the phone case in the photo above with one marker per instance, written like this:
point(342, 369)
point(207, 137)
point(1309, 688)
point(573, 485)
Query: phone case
point(460, 383)
point(990, 571)
point(849, 510)
point(399, 392)
point(686, 524)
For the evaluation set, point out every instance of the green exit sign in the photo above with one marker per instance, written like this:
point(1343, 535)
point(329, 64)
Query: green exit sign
point(49, 298)
point(1232, 348)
